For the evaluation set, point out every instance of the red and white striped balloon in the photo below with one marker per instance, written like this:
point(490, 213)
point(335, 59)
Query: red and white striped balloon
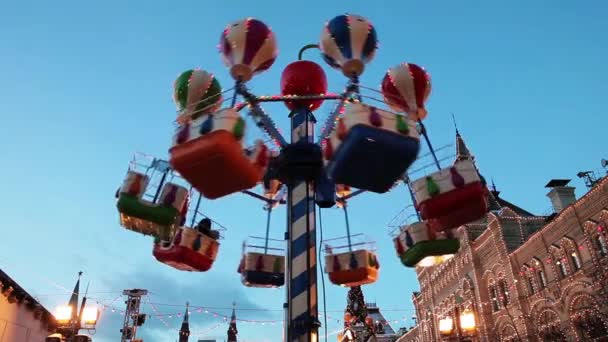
point(406, 88)
point(248, 47)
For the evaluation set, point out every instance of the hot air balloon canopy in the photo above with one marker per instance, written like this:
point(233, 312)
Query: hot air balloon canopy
point(406, 88)
point(348, 42)
point(248, 47)
point(197, 92)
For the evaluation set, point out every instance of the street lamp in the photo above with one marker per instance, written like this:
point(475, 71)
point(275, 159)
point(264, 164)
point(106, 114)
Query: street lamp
point(71, 319)
point(465, 326)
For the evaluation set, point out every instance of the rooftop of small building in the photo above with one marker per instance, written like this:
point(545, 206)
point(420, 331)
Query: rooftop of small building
point(23, 297)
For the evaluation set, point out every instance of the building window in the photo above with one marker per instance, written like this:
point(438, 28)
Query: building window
point(531, 285)
point(494, 297)
point(542, 279)
point(602, 247)
point(576, 261)
point(563, 270)
point(504, 292)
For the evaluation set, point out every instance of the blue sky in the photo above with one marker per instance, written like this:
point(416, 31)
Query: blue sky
point(85, 84)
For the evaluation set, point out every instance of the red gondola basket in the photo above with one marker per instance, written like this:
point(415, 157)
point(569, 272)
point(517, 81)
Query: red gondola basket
point(208, 152)
point(451, 197)
point(354, 266)
point(190, 250)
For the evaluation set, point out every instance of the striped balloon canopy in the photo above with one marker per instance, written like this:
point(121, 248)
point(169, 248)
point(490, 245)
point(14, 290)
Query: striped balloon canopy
point(406, 88)
point(348, 42)
point(196, 92)
point(248, 47)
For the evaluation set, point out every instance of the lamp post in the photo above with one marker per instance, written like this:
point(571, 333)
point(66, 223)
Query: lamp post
point(464, 329)
point(71, 320)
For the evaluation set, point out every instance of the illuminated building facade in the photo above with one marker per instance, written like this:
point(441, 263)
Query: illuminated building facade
point(526, 277)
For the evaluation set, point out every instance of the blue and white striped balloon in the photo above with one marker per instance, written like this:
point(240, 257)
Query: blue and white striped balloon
point(348, 42)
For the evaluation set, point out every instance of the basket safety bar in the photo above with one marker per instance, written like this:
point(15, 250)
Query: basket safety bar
point(348, 246)
point(262, 247)
point(261, 238)
point(343, 237)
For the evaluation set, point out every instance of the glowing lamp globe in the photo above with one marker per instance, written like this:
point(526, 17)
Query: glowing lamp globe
point(467, 321)
point(248, 47)
point(406, 87)
point(446, 326)
point(303, 78)
point(63, 314)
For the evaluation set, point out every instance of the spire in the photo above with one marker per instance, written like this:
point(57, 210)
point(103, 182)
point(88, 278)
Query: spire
point(232, 330)
point(73, 303)
point(184, 332)
point(462, 151)
point(494, 191)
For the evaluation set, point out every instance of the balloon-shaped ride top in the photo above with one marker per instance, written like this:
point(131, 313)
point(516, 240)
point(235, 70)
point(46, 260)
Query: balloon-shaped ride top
point(248, 47)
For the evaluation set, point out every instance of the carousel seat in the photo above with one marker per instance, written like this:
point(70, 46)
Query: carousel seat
point(370, 149)
point(208, 153)
point(419, 241)
point(451, 197)
point(262, 270)
point(190, 250)
point(352, 268)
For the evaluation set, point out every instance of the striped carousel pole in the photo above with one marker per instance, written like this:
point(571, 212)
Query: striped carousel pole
point(302, 313)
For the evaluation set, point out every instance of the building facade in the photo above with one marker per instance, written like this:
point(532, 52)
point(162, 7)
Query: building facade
point(525, 277)
point(22, 318)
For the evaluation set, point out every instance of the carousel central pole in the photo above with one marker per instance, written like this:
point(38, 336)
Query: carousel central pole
point(302, 323)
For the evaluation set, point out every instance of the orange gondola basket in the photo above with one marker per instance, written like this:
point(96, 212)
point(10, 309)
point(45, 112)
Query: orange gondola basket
point(208, 152)
point(349, 263)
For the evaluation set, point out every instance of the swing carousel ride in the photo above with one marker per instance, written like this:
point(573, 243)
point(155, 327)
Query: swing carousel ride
point(360, 146)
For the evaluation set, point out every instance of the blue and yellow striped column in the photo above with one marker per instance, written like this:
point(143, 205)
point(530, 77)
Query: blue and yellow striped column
point(302, 312)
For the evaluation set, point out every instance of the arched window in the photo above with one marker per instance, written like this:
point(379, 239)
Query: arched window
point(494, 297)
point(563, 269)
point(589, 325)
point(576, 261)
point(531, 284)
point(601, 245)
point(542, 279)
point(504, 292)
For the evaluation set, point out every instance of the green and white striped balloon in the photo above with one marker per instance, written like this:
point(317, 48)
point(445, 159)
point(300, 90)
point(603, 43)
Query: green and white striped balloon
point(197, 92)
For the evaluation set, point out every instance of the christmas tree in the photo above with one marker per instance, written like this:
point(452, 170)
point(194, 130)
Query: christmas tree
point(356, 304)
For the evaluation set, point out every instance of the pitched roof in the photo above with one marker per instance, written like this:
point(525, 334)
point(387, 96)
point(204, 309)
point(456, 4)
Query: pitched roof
point(377, 316)
point(9, 287)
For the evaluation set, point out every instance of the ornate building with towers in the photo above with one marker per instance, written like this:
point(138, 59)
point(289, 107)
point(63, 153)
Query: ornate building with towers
point(525, 277)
